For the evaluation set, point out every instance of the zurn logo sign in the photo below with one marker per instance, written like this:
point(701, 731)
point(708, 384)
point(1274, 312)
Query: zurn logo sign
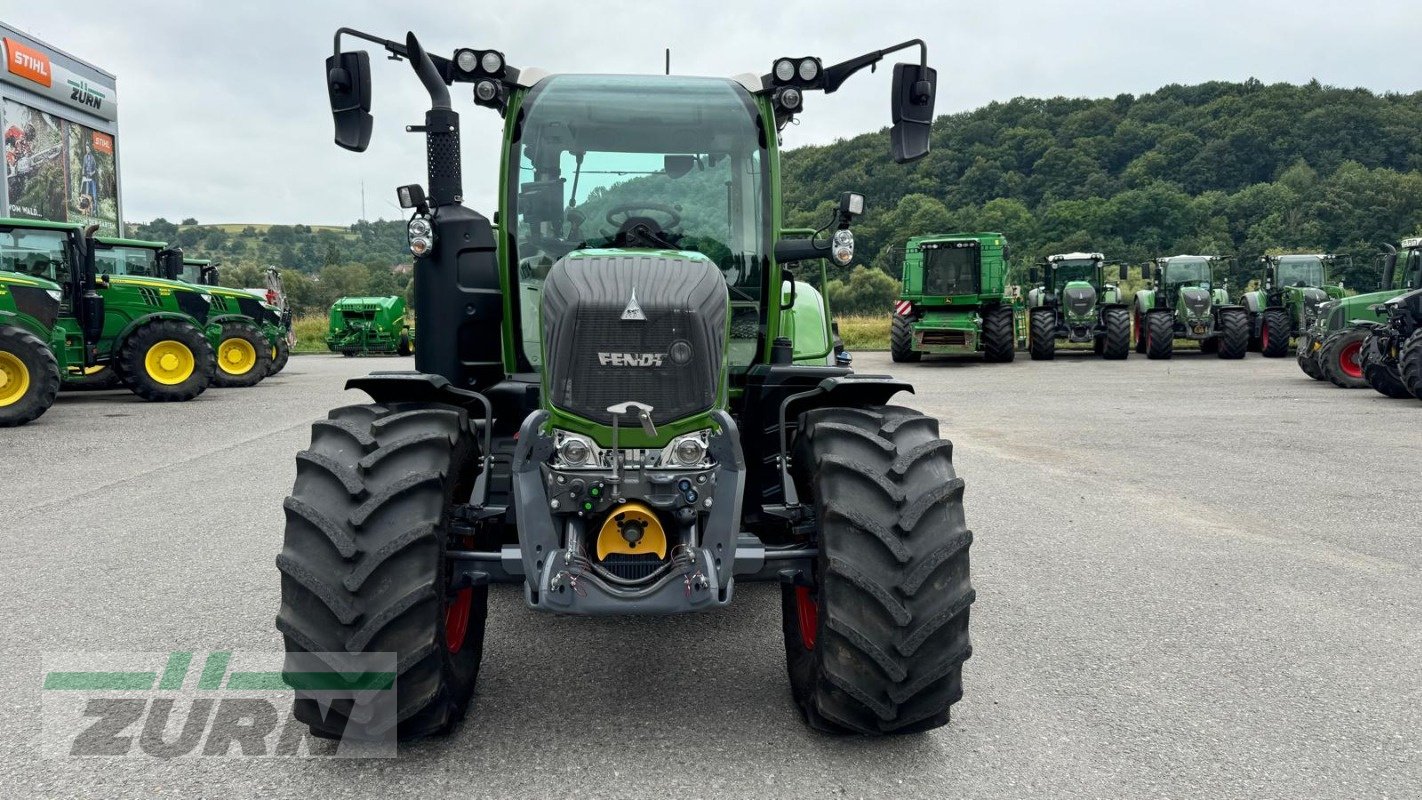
point(630, 359)
point(220, 704)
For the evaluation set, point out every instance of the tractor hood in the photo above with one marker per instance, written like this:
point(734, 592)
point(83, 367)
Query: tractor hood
point(1195, 300)
point(640, 326)
point(1079, 297)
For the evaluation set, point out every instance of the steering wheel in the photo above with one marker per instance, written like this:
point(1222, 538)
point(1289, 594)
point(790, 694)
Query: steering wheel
point(619, 215)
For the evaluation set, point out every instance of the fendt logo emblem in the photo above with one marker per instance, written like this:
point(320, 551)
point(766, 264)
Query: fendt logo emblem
point(630, 359)
point(633, 311)
point(27, 62)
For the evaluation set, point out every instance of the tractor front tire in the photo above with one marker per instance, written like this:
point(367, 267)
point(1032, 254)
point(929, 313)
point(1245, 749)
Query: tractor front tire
point(1409, 364)
point(29, 376)
point(1382, 376)
point(1042, 334)
point(244, 356)
point(999, 343)
point(281, 353)
point(1308, 358)
point(364, 564)
point(1274, 333)
point(901, 341)
point(1116, 342)
point(1234, 334)
point(1160, 335)
point(876, 644)
point(1341, 358)
point(167, 360)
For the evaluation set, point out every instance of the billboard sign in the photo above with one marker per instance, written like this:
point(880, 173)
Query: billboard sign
point(33, 69)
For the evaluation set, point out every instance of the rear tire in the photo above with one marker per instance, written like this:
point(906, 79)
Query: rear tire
point(999, 344)
point(1234, 333)
point(157, 384)
point(1341, 358)
point(1308, 358)
point(244, 356)
point(878, 645)
point(1160, 335)
point(1382, 376)
point(363, 564)
point(1409, 364)
point(29, 376)
point(281, 355)
point(1116, 343)
point(1042, 334)
point(1274, 333)
point(901, 341)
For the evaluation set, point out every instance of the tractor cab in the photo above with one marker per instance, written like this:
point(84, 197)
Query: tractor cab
point(62, 254)
point(198, 272)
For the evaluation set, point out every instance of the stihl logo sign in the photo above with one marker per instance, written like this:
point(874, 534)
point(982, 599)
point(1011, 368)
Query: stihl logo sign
point(630, 359)
point(27, 62)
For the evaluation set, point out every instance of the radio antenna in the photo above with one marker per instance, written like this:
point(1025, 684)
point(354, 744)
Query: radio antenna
point(668, 60)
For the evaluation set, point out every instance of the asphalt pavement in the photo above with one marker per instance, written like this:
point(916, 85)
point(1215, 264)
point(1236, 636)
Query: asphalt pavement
point(1195, 578)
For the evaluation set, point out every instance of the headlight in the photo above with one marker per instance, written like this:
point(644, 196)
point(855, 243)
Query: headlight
point(842, 247)
point(686, 451)
point(809, 69)
point(467, 60)
point(421, 235)
point(784, 69)
point(492, 62)
point(207, 297)
point(486, 91)
point(55, 293)
point(573, 450)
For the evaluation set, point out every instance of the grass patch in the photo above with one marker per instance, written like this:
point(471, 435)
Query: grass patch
point(866, 332)
point(310, 334)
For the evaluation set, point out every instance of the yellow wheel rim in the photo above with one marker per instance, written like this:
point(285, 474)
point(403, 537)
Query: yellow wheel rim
point(236, 356)
point(94, 370)
point(169, 362)
point(14, 379)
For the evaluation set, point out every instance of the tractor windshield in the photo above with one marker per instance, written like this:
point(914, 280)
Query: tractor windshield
point(951, 268)
point(1076, 270)
point(37, 253)
point(1300, 271)
point(1192, 271)
point(607, 161)
point(126, 260)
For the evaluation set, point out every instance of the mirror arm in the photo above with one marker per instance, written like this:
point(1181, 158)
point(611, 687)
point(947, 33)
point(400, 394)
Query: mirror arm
point(836, 75)
point(397, 51)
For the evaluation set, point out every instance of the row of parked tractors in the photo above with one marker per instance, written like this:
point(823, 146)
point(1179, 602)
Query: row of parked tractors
point(956, 301)
point(79, 311)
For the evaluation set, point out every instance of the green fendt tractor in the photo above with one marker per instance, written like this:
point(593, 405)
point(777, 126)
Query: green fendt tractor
point(1184, 301)
point(1071, 300)
point(1332, 349)
point(1294, 287)
point(248, 334)
point(121, 322)
point(362, 326)
point(955, 300)
point(640, 439)
point(1392, 352)
point(29, 368)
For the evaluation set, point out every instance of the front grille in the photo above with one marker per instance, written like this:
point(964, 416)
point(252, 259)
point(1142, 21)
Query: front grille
point(946, 338)
point(631, 568)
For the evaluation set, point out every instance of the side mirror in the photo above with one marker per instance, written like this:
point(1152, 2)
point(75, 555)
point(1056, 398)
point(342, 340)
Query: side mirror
point(348, 84)
point(914, 90)
point(678, 166)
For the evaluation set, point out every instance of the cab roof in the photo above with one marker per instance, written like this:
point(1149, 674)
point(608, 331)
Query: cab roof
point(1077, 257)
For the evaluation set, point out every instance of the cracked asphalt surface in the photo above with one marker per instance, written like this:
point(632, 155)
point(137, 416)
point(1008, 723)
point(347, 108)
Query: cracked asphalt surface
point(1195, 579)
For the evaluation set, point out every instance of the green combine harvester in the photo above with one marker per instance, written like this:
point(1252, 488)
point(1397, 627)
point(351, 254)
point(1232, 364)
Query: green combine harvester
point(31, 347)
point(955, 301)
point(1185, 301)
point(613, 410)
point(250, 335)
point(1071, 300)
point(362, 326)
point(1286, 305)
point(1332, 349)
point(120, 322)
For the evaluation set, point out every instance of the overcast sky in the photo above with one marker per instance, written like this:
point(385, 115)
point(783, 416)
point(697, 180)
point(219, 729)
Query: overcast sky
point(223, 114)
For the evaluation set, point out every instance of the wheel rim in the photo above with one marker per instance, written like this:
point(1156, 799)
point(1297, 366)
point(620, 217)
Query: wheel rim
point(807, 612)
point(14, 379)
point(274, 353)
point(237, 356)
point(169, 362)
point(456, 620)
point(1350, 359)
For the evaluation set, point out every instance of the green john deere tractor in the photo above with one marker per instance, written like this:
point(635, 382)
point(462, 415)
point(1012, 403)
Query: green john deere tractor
point(30, 353)
point(121, 322)
point(1286, 305)
point(1332, 349)
point(369, 326)
point(248, 334)
point(1184, 301)
point(955, 300)
point(1072, 300)
point(640, 438)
